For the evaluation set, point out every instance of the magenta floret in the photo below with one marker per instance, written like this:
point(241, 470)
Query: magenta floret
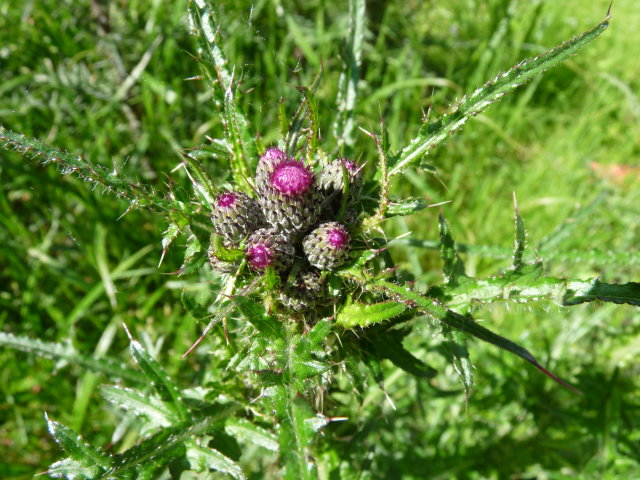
point(260, 256)
point(291, 178)
point(226, 200)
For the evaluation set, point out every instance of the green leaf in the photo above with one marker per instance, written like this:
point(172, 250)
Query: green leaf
point(247, 432)
point(150, 448)
point(302, 363)
point(431, 309)
point(67, 353)
point(192, 306)
point(456, 351)
point(203, 459)
point(406, 207)
point(73, 470)
point(453, 267)
point(363, 315)
point(139, 403)
point(478, 101)
point(520, 242)
point(582, 292)
point(160, 381)
point(388, 345)
point(373, 222)
point(528, 284)
point(256, 314)
point(297, 427)
point(202, 185)
point(346, 101)
point(94, 174)
point(203, 23)
point(79, 449)
point(318, 334)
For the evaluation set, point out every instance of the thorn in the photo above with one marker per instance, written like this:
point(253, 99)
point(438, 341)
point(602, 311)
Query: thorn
point(128, 332)
point(440, 204)
point(193, 347)
point(515, 203)
point(609, 11)
point(164, 250)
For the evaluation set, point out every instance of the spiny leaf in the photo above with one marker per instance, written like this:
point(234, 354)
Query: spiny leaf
point(313, 119)
point(363, 315)
point(406, 207)
point(389, 346)
point(215, 65)
point(256, 314)
point(139, 403)
point(297, 426)
point(453, 267)
point(246, 431)
point(520, 242)
point(431, 309)
point(94, 174)
point(242, 141)
point(346, 100)
point(456, 350)
point(78, 448)
point(373, 222)
point(428, 307)
point(72, 469)
point(318, 334)
point(67, 353)
point(192, 306)
point(484, 96)
point(529, 284)
point(203, 459)
point(160, 381)
point(307, 110)
point(202, 184)
point(582, 292)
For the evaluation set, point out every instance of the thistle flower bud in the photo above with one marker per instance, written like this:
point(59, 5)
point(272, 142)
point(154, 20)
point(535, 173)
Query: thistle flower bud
point(268, 248)
point(304, 293)
point(290, 201)
point(235, 215)
point(327, 247)
point(331, 179)
point(219, 265)
point(266, 165)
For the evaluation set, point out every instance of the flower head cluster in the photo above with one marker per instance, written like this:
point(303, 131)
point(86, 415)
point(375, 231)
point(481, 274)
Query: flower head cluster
point(292, 221)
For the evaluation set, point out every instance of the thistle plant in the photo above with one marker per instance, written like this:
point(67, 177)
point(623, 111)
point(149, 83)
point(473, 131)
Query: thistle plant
point(307, 290)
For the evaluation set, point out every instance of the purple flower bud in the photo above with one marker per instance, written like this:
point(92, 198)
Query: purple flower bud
point(266, 164)
point(327, 246)
point(266, 247)
point(290, 201)
point(331, 179)
point(235, 215)
point(304, 293)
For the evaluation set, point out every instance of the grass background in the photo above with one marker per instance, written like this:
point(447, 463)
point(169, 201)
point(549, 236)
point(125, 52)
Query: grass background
point(111, 81)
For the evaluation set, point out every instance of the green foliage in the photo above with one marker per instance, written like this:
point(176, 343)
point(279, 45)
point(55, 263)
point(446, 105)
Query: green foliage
point(311, 395)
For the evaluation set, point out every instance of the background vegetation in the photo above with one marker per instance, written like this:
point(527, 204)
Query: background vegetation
point(118, 84)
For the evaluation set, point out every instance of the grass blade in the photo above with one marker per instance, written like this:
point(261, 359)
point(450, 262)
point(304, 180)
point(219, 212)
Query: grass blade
point(111, 368)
